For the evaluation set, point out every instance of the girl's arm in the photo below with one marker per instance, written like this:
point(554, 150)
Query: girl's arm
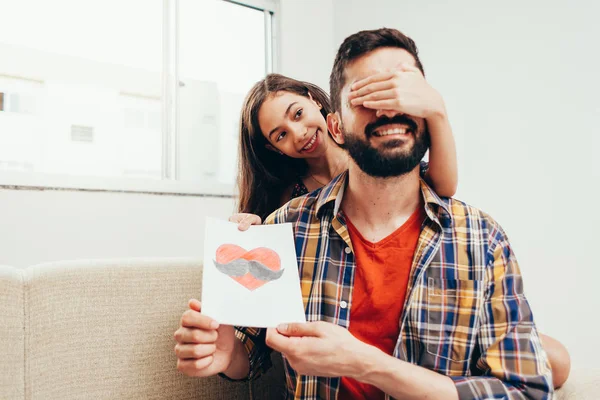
point(442, 173)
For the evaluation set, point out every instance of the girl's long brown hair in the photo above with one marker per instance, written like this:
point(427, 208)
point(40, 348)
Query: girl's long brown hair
point(264, 174)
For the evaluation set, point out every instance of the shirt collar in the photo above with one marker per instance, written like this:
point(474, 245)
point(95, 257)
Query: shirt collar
point(435, 207)
point(331, 197)
point(332, 194)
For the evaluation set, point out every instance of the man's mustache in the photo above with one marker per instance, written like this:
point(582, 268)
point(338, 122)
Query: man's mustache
point(397, 119)
point(241, 267)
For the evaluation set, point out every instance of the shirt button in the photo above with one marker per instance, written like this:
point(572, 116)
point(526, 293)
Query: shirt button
point(343, 304)
point(348, 250)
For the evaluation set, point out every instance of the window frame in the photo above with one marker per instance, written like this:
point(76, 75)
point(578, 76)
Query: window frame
point(168, 184)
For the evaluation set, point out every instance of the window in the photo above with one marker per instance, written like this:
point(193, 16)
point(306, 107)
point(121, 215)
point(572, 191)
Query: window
point(215, 76)
point(139, 90)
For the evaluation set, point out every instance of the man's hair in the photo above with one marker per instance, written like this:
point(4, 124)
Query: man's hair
point(360, 44)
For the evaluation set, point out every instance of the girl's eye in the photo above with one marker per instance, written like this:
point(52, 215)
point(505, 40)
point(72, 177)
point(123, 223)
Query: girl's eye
point(298, 113)
point(280, 137)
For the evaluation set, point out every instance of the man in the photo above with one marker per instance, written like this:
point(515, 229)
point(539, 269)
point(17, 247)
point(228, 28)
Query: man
point(409, 295)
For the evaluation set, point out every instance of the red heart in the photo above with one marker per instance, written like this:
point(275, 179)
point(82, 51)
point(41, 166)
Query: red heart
point(229, 252)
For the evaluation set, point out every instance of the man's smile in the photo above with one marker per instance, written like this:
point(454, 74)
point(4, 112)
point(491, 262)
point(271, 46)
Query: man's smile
point(392, 129)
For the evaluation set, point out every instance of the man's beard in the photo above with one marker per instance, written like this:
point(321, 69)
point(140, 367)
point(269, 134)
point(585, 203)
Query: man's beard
point(377, 163)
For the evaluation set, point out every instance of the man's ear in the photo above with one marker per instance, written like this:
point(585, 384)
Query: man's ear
point(334, 125)
point(314, 101)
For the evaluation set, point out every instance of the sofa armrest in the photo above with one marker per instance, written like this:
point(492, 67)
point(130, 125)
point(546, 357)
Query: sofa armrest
point(583, 384)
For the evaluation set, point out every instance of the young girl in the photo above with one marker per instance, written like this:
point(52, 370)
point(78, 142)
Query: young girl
point(286, 151)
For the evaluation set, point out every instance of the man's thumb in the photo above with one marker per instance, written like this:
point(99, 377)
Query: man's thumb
point(306, 329)
point(195, 305)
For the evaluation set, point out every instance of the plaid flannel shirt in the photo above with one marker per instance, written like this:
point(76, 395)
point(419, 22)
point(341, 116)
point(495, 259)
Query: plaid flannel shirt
point(465, 314)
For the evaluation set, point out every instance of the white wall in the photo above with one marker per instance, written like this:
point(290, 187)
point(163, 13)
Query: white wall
point(306, 44)
point(40, 226)
point(521, 85)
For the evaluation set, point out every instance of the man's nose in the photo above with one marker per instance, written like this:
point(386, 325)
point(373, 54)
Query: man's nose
point(388, 113)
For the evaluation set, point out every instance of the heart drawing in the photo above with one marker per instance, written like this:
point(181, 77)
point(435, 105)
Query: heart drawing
point(251, 269)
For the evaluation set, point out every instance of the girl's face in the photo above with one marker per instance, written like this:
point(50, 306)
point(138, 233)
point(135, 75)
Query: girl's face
point(294, 125)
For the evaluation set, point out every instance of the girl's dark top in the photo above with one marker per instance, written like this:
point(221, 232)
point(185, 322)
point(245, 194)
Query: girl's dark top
point(299, 189)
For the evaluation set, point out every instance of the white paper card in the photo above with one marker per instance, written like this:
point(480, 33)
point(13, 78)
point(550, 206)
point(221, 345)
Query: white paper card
point(251, 278)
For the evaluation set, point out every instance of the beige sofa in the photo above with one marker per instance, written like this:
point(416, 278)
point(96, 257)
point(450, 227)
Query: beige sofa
point(104, 330)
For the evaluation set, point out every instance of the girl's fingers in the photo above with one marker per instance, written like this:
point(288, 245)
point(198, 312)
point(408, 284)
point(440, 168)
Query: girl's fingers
point(237, 218)
point(250, 219)
point(375, 96)
point(244, 220)
point(409, 68)
point(381, 76)
point(389, 104)
point(372, 88)
point(384, 76)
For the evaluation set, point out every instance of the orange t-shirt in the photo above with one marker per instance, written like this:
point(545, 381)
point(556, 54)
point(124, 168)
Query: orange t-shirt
point(380, 284)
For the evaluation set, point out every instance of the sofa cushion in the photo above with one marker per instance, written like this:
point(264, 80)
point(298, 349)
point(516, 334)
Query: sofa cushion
point(104, 330)
point(12, 347)
point(583, 384)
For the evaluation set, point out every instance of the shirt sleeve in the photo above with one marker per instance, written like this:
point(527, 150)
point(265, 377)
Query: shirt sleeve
point(280, 215)
point(511, 362)
point(259, 354)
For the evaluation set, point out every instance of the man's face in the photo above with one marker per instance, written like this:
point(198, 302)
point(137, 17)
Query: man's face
point(392, 144)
